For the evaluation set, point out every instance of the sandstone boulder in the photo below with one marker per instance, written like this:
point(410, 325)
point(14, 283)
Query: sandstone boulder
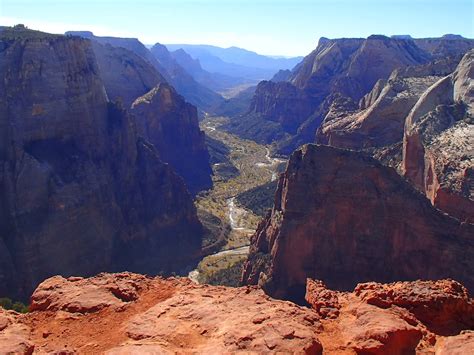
point(14, 336)
point(398, 318)
point(444, 306)
point(128, 313)
point(456, 345)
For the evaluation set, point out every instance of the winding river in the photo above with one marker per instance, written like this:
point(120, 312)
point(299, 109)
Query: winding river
point(236, 213)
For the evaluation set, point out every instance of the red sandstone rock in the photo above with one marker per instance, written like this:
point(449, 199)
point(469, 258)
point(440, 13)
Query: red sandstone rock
point(133, 314)
point(14, 336)
point(397, 318)
point(372, 330)
point(443, 306)
point(163, 316)
point(86, 295)
point(324, 301)
point(344, 218)
point(456, 345)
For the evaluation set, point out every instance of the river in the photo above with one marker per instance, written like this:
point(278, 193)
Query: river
point(237, 215)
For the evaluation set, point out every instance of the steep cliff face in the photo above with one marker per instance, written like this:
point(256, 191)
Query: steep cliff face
point(162, 61)
point(352, 66)
point(80, 192)
point(131, 44)
point(339, 71)
point(344, 218)
point(437, 146)
point(126, 76)
point(133, 314)
point(276, 111)
point(171, 125)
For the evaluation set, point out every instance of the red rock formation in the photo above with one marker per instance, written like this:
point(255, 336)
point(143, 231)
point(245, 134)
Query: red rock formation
point(437, 144)
point(80, 192)
point(14, 336)
point(132, 314)
point(443, 306)
point(398, 318)
point(456, 345)
point(344, 218)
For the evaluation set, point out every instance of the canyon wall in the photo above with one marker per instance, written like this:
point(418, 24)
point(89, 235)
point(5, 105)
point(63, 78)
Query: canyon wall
point(80, 191)
point(128, 74)
point(171, 125)
point(438, 154)
point(344, 218)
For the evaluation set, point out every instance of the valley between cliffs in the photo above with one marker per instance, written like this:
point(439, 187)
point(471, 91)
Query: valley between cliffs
point(242, 166)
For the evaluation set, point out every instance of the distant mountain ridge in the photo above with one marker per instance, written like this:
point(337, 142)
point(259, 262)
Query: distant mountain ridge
point(336, 75)
point(215, 81)
point(195, 93)
point(236, 61)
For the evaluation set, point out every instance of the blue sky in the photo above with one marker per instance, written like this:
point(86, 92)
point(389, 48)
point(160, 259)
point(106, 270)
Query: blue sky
point(278, 27)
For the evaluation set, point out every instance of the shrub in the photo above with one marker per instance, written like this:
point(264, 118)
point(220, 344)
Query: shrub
point(19, 307)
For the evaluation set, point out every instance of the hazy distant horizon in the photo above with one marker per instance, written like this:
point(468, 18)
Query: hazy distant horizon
point(274, 28)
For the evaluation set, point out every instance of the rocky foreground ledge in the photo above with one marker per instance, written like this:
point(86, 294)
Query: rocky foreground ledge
point(129, 313)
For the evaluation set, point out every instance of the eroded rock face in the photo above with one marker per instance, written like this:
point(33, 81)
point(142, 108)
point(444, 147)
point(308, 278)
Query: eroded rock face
point(344, 218)
point(438, 157)
point(14, 336)
point(128, 313)
point(380, 118)
point(80, 192)
point(447, 45)
point(171, 125)
point(339, 71)
point(443, 306)
point(276, 111)
point(398, 318)
point(129, 71)
point(126, 76)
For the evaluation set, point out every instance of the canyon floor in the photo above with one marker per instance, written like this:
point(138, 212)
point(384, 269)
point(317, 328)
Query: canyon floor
point(253, 167)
